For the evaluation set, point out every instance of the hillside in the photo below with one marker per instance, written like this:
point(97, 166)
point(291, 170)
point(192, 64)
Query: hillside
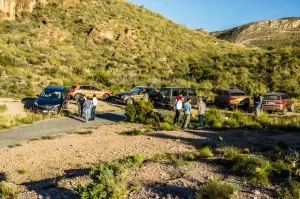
point(278, 33)
point(116, 44)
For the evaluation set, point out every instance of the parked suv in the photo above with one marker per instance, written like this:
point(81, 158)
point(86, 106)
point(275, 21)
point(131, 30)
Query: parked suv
point(278, 102)
point(53, 99)
point(139, 92)
point(77, 90)
point(168, 96)
point(232, 98)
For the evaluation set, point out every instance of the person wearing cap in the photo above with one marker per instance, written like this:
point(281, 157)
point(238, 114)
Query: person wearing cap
point(177, 108)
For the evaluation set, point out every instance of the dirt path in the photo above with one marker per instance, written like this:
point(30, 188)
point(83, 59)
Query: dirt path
point(42, 159)
point(14, 107)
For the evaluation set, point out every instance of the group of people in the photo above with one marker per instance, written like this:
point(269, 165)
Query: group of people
point(186, 106)
point(87, 106)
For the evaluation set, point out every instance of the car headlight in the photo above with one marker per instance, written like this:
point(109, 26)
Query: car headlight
point(36, 104)
point(56, 106)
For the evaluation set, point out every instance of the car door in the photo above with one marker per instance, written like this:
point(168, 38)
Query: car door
point(94, 90)
point(165, 96)
point(84, 90)
point(285, 100)
point(218, 98)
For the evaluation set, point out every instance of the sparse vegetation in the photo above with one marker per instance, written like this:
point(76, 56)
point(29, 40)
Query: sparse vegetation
point(21, 171)
point(109, 179)
point(216, 189)
point(205, 152)
point(5, 191)
point(14, 145)
point(3, 108)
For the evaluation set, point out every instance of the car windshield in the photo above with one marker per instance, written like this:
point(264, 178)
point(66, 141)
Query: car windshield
point(237, 94)
point(135, 90)
point(272, 97)
point(51, 94)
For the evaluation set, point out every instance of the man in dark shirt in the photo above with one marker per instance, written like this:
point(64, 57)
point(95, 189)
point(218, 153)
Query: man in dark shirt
point(80, 103)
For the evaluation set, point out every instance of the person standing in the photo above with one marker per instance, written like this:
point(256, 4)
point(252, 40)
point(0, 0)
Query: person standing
point(177, 107)
point(201, 110)
point(94, 106)
point(87, 108)
point(258, 104)
point(187, 113)
point(255, 101)
point(80, 103)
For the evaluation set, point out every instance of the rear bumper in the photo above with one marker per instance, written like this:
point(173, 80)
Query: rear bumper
point(272, 108)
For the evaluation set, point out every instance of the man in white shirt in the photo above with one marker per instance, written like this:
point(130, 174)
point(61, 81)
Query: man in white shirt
point(177, 108)
point(94, 103)
point(201, 110)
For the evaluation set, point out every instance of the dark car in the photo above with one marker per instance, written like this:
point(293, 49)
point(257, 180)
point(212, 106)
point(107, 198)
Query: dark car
point(140, 92)
point(278, 102)
point(232, 98)
point(168, 96)
point(53, 99)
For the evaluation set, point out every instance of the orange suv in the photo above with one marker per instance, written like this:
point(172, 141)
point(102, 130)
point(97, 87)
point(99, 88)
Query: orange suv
point(232, 98)
point(76, 90)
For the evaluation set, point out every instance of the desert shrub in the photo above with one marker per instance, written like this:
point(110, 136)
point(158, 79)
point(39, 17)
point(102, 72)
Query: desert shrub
point(229, 151)
point(253, 125)
point(263, 119)
point(214, 118)
point(108, 182)
point(231, 122)
point(255, 168)
point(237, 114)
point(133, 132)
point(205, 152)
point(132, 161)
point(141, 111)
point(290, 191)
point(3, 108)
point(5, 191)
point(216, 189)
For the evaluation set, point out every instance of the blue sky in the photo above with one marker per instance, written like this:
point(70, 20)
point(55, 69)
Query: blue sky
point(215, 15)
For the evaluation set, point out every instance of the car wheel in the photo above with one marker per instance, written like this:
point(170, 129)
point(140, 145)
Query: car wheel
point(76, 97)
point(105, 97)
point(129, 101)
point(292, 109)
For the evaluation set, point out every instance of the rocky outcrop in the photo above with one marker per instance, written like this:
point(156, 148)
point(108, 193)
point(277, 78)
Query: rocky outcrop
point(282, 32)
point(48, 35)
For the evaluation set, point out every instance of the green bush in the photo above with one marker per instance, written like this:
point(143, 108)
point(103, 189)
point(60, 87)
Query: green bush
point(141, 111)
point(109, 179)
point(214, 118)
point(290, 191)
point(216, 189)
point(132, 161)
point(5, 191)
point(3, 108)
point(133, 132)
point(255, 168)
point(253, 125)
point(205, 152)
point(231, 122)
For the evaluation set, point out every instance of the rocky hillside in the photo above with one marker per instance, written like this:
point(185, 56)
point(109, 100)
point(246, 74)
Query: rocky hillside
point(116, 44)
point(278, 33)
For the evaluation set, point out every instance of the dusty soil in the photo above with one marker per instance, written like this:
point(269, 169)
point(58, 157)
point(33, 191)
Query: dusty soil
point(64, 162)
point(14, 107)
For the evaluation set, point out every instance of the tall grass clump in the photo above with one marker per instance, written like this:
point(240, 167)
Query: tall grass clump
point(216, 189)
point(109, 179)
point(214, 118)
point(3, 108)
point(205, 152)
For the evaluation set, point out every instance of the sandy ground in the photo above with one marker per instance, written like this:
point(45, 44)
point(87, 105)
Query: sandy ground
point(15, 107)
point(46, 160)
point(49, 158)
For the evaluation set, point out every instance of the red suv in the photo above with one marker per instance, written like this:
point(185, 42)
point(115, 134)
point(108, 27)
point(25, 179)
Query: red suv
point(278, 102)
point(232, 98)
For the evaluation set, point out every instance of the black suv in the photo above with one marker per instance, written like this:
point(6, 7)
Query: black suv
point(140, 92)
point(53, 99)
point(168, 96)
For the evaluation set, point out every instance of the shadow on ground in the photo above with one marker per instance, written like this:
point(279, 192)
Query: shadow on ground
point(114, 117)
point(48, 188)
